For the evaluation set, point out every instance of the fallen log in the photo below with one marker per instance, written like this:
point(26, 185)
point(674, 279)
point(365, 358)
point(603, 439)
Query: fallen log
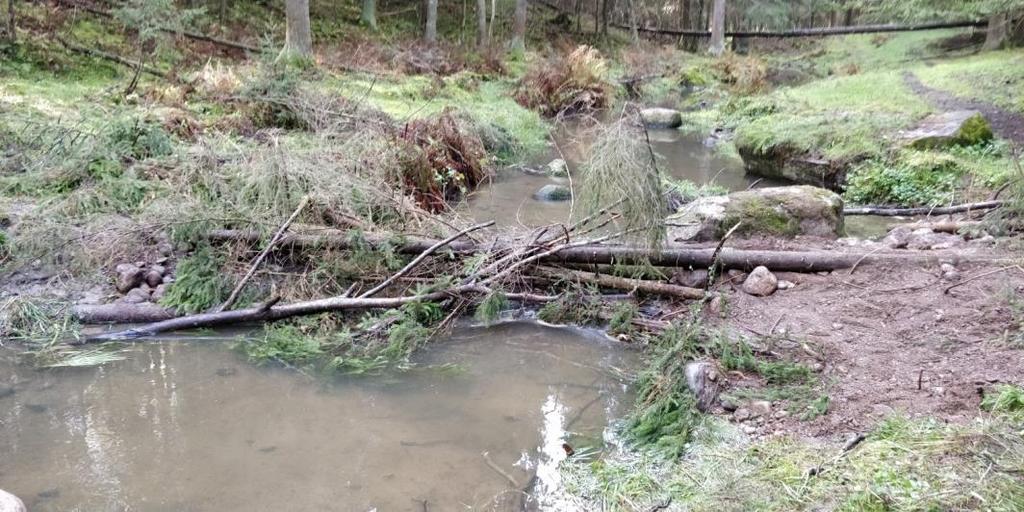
point(121, 313)
point(191, 35)
point(927, 210)
point(620, 283)
point(673, 256)
point(270, 312)
point(813, 32)
point(111, 57)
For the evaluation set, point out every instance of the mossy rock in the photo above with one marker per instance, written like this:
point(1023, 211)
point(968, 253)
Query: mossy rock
point(781, 211)
point(782, 161)
point(958, 128)
point(553, 193)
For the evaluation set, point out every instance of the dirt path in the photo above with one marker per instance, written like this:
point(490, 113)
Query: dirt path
point(1006, 124)
point(889, 339)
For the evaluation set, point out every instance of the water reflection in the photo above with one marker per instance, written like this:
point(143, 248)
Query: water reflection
point(191, 426)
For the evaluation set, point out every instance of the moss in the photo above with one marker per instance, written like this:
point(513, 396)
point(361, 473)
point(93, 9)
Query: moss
point(974, 131)
point(758, 216)
point(910, 178)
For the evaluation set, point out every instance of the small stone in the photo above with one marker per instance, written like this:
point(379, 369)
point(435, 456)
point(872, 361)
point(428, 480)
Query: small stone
point(741, 414)
point(158, 292)
point(938, 391)
point(782, 413)
point(158, 268)
point(785, 285)
point(715, 306)
point(166, 249)
point(749, 429)
point(553, 193)
point(168, 279)
point(761, 282)
point(558, 168)
point(153, 278)
point(702, 381)
point(128, 276)
point(728, 405)
point(817, 367)
point(760, 408)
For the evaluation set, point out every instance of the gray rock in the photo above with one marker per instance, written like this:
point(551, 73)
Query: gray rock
point(962, 127)
point(128, 276)
point(553, 193)
point(742, 414)
point(776, 211)
point(761, 282)
point(898, 237)
point(136, 296)
point(926, 239)
point(704, 381)
point(158, 292)
point(692, 278)
point(760, 409)
point(785, 285)
point(783, 161)
point(165, 248)
point(167, 279)
point(154, 278)
point(10, 502)
point(558, 168)
point(159, 268)
point(728, 405)
point(661, 117)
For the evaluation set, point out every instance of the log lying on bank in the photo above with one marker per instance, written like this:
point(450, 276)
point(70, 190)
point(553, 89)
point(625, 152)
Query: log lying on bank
point(813, 32)
point(673, 256)
point(938, 210)
point(111, 57)
point(270, 312)
point(620, 283)
point(120, 313)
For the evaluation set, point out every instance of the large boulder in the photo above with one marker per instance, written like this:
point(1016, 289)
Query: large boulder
point(779, 211)
point(782, 161)
point(957, 128)
point(661, 118)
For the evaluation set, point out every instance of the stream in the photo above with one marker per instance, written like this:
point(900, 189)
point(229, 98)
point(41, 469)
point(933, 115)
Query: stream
point(509, 201)
point(186, 424)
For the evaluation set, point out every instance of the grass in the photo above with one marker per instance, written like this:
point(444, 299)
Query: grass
point(994, 77)
point(903, 465)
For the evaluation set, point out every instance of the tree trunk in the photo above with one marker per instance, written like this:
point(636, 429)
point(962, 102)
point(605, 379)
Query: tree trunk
point(635, 33)
point(12, 37)
point(717, 47)
point(298, 36)
point(430, 31)
point(995, 36)
point(490, 26)
point(481, 24)
point(369, 15)
point(519, 26)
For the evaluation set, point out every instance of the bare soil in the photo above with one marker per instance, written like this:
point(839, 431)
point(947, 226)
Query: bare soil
point(890, 339)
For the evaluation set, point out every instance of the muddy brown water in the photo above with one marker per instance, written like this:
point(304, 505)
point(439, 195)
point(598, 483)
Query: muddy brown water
point(189, 425)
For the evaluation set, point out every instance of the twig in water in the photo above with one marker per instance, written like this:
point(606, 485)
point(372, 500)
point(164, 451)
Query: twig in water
point(259, 259)
point(502, 472)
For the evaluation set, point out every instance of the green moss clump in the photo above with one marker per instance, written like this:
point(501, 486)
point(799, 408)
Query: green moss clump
point(757, 216)
point(974, 131)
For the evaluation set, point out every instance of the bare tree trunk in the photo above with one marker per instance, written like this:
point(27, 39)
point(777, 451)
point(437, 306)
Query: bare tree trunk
point(490, 26)
point(298, 35)
point(605, 12)
point(519, 26)
point(632, 6)
point(430, 32)
point(995, 36)
point(717, 47)
point(481, 24)
point(848, 20)
point(11, 34)
point(369, 15)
